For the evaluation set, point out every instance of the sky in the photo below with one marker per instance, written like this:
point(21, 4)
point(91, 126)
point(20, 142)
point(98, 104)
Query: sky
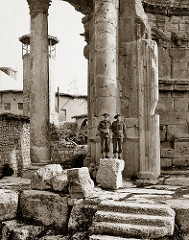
point(64, 23)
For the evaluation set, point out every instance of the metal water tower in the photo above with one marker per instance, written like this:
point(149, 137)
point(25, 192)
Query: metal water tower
point(25, 40)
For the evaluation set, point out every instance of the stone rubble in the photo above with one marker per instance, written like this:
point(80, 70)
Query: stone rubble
point(8, 204)
point(41, 179)
point(80, 183)
point(20, 231)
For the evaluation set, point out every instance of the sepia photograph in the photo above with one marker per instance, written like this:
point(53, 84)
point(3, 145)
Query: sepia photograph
point(94, 119)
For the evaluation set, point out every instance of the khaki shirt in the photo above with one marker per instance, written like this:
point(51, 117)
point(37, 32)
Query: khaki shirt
point(104, 127)
point(118, 129)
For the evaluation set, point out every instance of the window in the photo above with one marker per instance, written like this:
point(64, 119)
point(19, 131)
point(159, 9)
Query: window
point(20, 106)
point(7, 106)
point(63, 115)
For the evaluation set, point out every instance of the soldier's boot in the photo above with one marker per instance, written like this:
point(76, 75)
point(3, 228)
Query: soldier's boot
point(103, 155)
point(115, 156)
point(119, 156)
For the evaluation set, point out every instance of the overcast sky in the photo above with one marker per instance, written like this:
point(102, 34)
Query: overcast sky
point(64, 23)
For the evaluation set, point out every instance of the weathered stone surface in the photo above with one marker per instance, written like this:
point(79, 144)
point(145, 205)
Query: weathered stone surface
point(81, 218)
point(42, 177)
point(19, 231)
point(60, 182)
point(45, 207)
point(110, 173)
point(57, 237)
point(80, 236)
point(8, 204)
point(181, 208)
point(177, 181)
point(80, 183)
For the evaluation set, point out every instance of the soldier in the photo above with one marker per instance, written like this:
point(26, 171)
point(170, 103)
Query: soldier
point(104, 127)
point(119, 131)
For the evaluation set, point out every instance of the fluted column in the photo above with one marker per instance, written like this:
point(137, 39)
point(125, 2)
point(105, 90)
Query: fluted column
point(39, 109)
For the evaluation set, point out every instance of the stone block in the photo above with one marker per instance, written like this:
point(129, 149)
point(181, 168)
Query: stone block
point(177, 181)
point(60, 182)
point(181, 161)
point(81, 218)
point(181, 149)
point(170, 117)
point(167, 153)
point(42, 177)
point(181, 208)
point(8, 204)
point(163, 132)
point(166, 162)
point(181, 104)
point(47, 208)
point(131, 157)
point(109, 174)
point(176, 130)
point(165, 104)
point(20, 231)
point(80, 183)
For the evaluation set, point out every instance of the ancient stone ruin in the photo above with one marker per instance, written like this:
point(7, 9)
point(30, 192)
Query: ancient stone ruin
point(138, 67)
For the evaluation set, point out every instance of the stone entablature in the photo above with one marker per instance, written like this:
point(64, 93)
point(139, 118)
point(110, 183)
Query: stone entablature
point(167, 7)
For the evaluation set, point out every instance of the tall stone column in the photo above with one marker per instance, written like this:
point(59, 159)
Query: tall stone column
point(39, 109)
point(102, 68)
point(138, 78)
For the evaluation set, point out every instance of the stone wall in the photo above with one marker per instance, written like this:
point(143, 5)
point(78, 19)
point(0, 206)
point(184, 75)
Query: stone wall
point(14, 142)
point(170, 31)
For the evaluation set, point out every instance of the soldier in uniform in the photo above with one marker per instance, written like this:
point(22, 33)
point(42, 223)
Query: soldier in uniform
point(104, 127)
point(119, 132)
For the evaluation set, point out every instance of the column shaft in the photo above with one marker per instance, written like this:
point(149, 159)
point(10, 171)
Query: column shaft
point(105, 79)
point(39, 109)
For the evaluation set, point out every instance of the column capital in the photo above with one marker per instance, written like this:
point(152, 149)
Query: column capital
point(39, 6)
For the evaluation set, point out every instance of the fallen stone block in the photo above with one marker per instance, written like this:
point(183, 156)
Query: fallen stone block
point(19, 231)
point(109, 174)
point(181, 208)
point(60, 182)
point(45, 207)
point(8, 204)
point(81, 218)
point(80, 183)
point(42, 177)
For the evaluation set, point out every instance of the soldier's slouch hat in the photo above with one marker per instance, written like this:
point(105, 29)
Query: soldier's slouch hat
point(106, 114)
point(117, 115)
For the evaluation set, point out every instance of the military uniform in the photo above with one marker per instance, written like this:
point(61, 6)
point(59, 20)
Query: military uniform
point(104, 127)
point(118, 130)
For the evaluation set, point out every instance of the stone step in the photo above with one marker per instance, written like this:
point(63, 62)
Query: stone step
point(136, 219)
point(136, 208)
point(128, 230)
point(106, 237)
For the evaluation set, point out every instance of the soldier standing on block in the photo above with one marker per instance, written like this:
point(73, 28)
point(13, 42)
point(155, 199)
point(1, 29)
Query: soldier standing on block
point(119, 131)
point(104, 127)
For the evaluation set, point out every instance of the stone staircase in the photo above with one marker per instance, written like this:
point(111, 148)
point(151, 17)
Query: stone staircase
point(130, 220)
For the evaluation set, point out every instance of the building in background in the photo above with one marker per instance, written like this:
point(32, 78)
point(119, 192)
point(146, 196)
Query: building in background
point(69, 105)
point(11, 93)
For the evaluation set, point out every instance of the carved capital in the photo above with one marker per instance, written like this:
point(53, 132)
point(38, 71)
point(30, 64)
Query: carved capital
point(39, 6)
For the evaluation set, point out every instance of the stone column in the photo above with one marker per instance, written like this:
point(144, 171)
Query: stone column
point(102, 68)
point(138, 78)
point(39, 109)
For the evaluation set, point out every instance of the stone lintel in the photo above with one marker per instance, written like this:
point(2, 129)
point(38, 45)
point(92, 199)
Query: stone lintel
point(37, 6)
